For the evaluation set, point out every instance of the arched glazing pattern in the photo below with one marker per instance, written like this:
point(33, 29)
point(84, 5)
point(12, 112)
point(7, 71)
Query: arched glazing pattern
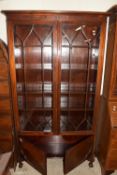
point(79, 63)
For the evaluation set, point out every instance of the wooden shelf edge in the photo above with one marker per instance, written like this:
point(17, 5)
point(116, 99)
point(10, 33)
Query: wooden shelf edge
point(67, 133)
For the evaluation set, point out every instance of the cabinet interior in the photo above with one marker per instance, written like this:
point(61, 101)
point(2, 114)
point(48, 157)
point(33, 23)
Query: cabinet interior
point(38, 84)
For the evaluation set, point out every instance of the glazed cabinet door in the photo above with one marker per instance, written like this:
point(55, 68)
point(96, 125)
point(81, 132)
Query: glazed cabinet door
point(79, 64)
point(35, 83)
point(77, 154)
point(35, 67)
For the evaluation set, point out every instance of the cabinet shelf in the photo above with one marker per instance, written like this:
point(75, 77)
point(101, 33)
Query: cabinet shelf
point(81, 46)
point(62, 108)
point(76, 109)
point(78, 67)
point(32, 46)
point(77, 93)
point(37, 87)
point(51, 93)
point(63, 133)
point(35, 93)
point(46, 66)
point(65, 90)
point(35, 109)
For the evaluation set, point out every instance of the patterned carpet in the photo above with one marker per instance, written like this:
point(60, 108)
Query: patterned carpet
point(55, 167)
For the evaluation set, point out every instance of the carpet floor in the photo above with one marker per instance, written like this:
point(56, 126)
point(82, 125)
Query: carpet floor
point(55, 167)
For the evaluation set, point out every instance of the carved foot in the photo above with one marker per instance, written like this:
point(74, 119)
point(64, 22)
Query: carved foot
point(91, 164)
point(20, 164)
point(91, 160)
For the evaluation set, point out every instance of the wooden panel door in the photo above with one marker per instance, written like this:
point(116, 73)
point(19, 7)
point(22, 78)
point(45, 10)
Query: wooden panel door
point(112, 54)
point(79, 64)
point(35, 67)
point(35, 156)
point(77, 154)
point(110, 77)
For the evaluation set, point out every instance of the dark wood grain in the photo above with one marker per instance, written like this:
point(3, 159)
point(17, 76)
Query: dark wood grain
point(34, 156)
point(77, 154)
point(106, 147)
point(5, 101)
point(55, 75)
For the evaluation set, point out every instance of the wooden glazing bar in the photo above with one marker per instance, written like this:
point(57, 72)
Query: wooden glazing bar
point(24, 83)
point(87, 79)
point(69, 81)
point(42, 70)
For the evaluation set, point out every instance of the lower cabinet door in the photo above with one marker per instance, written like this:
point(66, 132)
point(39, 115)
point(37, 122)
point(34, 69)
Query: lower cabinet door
point(77, 154)
point(35, 156)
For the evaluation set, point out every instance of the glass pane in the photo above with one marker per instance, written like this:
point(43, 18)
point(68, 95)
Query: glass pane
point(78, 76)
point(36, 121)
point(34, 73)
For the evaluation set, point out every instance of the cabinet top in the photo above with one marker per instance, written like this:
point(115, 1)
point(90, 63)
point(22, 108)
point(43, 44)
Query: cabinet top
point(41, 12)
point(96, 17)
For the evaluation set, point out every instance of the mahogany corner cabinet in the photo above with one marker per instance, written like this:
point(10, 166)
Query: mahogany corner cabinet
point(56, 61)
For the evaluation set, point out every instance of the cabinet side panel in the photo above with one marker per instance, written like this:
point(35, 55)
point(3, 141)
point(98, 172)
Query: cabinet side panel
point(109, 59)
point(5, 103)
point(103, 139)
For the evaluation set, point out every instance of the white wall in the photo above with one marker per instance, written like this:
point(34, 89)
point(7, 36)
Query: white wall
point(74, 5)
